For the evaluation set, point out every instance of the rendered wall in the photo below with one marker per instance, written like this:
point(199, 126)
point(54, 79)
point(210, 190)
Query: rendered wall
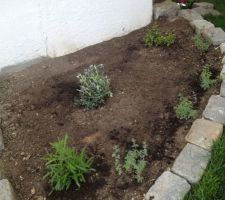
point(31, 29)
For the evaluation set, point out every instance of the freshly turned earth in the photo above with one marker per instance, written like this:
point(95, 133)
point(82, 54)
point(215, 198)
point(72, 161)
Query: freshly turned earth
point(37, 107)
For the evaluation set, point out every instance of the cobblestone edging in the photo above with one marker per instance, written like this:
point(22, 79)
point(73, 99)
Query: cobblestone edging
point(190, 164)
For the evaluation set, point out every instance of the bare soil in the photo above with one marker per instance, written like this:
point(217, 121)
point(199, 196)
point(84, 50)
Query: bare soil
point(37, 107)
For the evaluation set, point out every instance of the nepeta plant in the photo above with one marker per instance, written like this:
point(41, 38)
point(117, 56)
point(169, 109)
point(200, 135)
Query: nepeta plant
point(206, 78)
point(94, 87)
point(201, 43)
point(134, 161)
point(66, 166)
point(185, 110)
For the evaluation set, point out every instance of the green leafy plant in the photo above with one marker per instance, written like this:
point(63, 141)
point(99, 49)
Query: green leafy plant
point(201, 43)
point(134, 161)
point(94, 87)
point(66, 166)
point(184, 110)
point(206, 78)
point(155, 38)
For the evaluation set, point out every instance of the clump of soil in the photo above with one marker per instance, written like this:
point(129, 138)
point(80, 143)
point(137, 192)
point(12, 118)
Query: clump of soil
point(37, 108)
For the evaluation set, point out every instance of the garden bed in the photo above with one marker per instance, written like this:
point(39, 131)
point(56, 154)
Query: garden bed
point(38, 105)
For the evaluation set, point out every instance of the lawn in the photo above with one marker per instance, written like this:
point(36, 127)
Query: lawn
point(211, 187)
point(219, 21)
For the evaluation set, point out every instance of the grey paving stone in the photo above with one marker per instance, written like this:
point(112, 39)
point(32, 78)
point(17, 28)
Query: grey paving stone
point(204, 5)
point(216, 36)
point(222, 89)
point(223, 60)
point(215, 109)
point(165, 9)
point(6, 191)
point(202, 26)
point(1, 141)
point(189, 14)
point(222, 73)
point(191, 163)
point(204, 132)
point(168, 187)
point(222, 48)
point(206, 11)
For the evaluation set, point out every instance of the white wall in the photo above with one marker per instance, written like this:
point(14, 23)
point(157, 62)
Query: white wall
point(31, 29)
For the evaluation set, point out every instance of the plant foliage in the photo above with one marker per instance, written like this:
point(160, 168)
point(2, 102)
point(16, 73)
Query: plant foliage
point(206, 78)
point(184, 110)
point(200, 43)
point(66, 166)
point(134, 161)
point(155, 38)
point(94, 87)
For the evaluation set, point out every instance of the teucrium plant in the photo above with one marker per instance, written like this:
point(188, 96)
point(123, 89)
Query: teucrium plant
point(66, 166)
point(206, 78)
point(134, 160)
point(94, 87)
point(185, 110)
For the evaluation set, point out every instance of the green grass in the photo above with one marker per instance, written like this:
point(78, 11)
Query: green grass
point(212, 185)
point(219, 21)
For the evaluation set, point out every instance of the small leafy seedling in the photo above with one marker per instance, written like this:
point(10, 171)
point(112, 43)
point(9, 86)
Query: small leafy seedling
point(155, 38)
point(134, 160)
point(94, 87)
point(206, 78)
point(66, 166)
point(200, 43)
point(185, 110)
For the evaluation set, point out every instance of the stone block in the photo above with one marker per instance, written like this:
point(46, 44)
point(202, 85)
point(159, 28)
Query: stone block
point(204, 132)
point(215, 109)
point(189, 14)
point(168, 187)
point(191, 163)
point(6, 190)
point(165, 9)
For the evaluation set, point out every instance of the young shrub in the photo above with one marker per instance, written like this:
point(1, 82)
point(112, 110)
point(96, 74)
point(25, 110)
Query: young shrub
point(134, 161)
point(66, 166)
point(154, 38)
point(201, 43)
point(94, 87)
point(184, 110)
point(206, 78)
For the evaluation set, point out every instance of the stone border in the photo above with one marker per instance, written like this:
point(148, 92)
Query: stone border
point(191, 163)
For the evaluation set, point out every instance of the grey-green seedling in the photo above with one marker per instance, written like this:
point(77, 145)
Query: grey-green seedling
point(134, 160)
point(200, 43)
point(206, 78)
point(66, 166)
point(116, 156)
point(185, 110)
point(94, 87)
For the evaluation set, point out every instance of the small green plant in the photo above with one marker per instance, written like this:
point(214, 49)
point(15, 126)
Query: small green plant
point(94, 87)
point(206, 78)
point(66, 166)
point(155, 38)
point(200, 43)
point(184, 110)
point(134, 161)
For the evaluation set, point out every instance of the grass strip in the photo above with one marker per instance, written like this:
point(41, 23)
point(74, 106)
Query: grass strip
point(212, 184)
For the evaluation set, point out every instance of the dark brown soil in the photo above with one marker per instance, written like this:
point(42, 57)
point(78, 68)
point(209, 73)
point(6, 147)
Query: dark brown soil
point(37, 108)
